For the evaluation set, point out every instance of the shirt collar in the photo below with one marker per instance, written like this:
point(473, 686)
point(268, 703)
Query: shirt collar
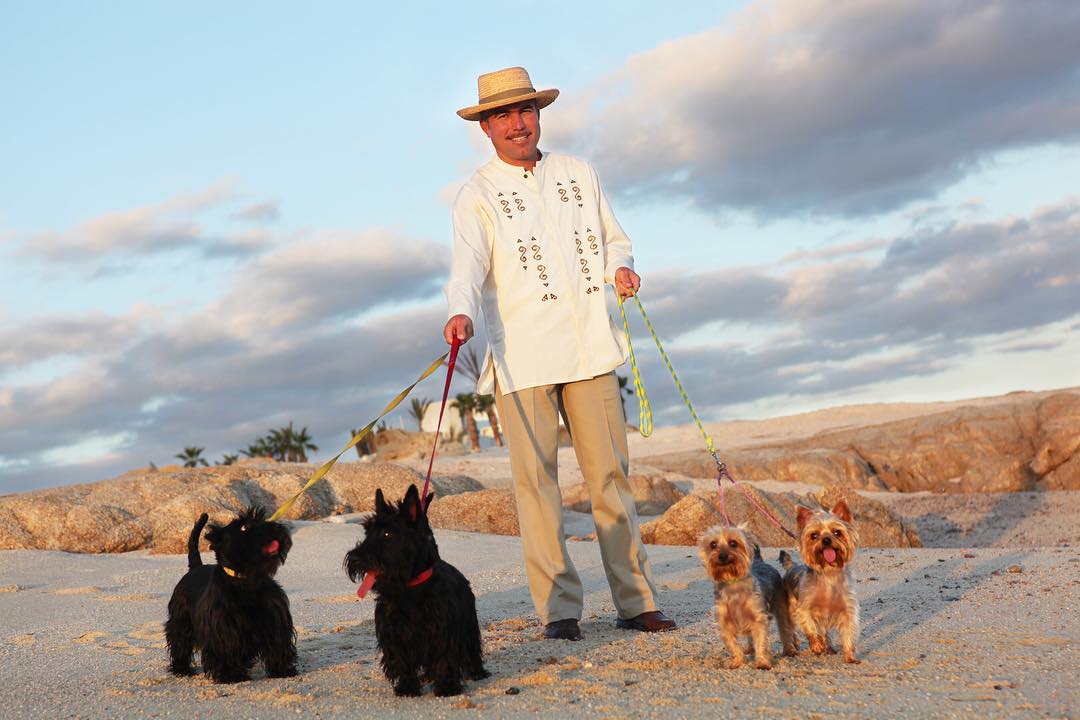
point(517, 170)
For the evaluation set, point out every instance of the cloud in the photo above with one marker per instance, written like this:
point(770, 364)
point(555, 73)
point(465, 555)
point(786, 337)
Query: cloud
point(169, 226)
point(325, 331)
point(261, 212)
point(831, 108)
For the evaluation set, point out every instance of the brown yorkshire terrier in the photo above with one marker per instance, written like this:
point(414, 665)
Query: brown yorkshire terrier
point(747, 591)
point(821, 593)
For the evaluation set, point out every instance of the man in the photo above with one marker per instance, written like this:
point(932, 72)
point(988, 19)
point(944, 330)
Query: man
point(535, 241)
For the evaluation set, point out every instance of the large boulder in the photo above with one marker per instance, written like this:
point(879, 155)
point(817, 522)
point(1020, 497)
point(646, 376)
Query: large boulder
point(484, 511)
point(1019, 444)
point(156, 509)
point(687, 519)
point(653, 494)
point(392, 444)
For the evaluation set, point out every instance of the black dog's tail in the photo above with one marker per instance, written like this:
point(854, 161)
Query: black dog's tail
point(786, 560)
point(194, 559)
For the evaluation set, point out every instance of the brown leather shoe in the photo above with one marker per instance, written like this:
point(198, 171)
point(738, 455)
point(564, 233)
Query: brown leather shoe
point(563, 630)
point(654, 621)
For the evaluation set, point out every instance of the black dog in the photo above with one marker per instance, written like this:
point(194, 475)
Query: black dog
point(425, 612)
point(233, 612)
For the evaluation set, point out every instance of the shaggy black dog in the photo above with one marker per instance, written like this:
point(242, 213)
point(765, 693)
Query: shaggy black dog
point(233, 612)
point(425, 612)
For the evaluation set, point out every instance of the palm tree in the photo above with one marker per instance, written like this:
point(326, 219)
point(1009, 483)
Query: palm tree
point(486, 404)
point(466, 405)
point(470, 366)
point(301, 444)
point(366, 446)
point(192, 457)
point(228, 459)
point(259, 448)
point(417, 410)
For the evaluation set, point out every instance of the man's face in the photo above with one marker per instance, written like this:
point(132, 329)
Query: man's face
point(514, 131)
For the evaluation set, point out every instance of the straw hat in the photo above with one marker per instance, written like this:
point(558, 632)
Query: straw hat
point(506, 87)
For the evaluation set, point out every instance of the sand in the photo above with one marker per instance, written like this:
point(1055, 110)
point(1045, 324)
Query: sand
point(981, 623)
point(947, 633)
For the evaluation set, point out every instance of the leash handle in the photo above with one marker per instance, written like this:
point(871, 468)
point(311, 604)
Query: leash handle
point(450, 362)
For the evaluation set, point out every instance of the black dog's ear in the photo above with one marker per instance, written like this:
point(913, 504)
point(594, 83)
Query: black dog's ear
point(380, 502)
point(427, 501)
point(410, 506)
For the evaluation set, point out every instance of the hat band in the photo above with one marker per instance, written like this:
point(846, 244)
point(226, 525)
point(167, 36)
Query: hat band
point(507, 94)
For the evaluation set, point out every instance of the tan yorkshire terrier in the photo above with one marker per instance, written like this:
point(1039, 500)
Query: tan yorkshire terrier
point(821, 593)
point(747, 591)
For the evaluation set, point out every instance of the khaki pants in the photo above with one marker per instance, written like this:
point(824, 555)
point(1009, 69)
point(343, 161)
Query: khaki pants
point(597, 426)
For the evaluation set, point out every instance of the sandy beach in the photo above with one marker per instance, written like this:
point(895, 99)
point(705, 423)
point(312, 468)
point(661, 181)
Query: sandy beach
point(947, 633)
point(981, 622)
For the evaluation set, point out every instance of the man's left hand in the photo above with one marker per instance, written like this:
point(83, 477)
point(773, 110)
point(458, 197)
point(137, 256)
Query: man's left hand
point(627, 282)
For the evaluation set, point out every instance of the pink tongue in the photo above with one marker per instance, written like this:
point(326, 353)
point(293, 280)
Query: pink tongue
point(365, 585)
point(829, 554)
point(272, 547)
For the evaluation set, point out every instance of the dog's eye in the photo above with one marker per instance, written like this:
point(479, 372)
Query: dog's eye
point(712, 545)
point(732, 544)
point(386, 533)
point(243, 528)
point(838, 533)
point(813, 536)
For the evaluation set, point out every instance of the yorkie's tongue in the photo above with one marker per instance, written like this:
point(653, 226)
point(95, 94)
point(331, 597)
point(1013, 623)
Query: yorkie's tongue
point(829, 554)
point(367, 583)
point(271, 548)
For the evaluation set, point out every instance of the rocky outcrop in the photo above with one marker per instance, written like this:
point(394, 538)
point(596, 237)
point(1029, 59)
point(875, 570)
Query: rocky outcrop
point(653, 494)
point(155, 510)
point(391, 444)
point(485, 511)
point(1026, 444)
point(686, 520)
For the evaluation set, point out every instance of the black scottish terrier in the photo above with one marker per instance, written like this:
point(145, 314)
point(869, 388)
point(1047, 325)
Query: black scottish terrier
point(425, 611)
point(233, 612)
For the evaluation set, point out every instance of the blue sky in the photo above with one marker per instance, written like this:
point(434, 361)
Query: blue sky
point(215, 219)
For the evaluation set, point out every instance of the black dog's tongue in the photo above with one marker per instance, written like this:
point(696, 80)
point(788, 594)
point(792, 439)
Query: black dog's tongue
point(271, 548)
point(366, 584)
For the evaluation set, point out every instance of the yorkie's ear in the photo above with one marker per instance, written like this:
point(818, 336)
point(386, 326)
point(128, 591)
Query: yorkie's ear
point(804, 516)
point(841, 511)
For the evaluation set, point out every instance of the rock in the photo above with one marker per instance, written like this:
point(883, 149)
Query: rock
point(483, 511)
point(653, 494)
point(878, 525)
point(686, 520)
point(156, 509)
point(1027, 443)
point(392, 444)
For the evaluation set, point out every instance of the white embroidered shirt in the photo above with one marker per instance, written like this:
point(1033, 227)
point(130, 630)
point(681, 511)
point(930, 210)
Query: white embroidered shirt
point(534, 250)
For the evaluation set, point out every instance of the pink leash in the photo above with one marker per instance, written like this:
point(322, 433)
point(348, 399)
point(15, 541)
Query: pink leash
point(454, 347)
point(721, 473)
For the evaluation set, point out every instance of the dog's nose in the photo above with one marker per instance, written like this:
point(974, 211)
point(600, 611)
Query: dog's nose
point(723, 557)
point(826, 541)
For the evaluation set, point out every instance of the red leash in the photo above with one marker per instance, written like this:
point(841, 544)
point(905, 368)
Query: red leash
point(438, 428)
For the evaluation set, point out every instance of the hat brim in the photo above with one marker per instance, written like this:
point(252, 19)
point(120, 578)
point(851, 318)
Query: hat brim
point(543, 98)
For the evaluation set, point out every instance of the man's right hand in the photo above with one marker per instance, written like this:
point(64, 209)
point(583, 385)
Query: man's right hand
point(460, 327)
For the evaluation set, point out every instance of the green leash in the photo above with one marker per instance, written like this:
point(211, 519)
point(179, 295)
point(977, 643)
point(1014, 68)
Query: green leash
point(645, 424)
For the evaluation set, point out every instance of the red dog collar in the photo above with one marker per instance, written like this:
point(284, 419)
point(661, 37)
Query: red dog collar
point(422, 577)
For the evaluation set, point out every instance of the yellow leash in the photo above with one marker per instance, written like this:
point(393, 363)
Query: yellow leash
point(644, 408)
point(357, 438)
point(645, 416)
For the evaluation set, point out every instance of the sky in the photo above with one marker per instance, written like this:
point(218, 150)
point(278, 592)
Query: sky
point(219, 218)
